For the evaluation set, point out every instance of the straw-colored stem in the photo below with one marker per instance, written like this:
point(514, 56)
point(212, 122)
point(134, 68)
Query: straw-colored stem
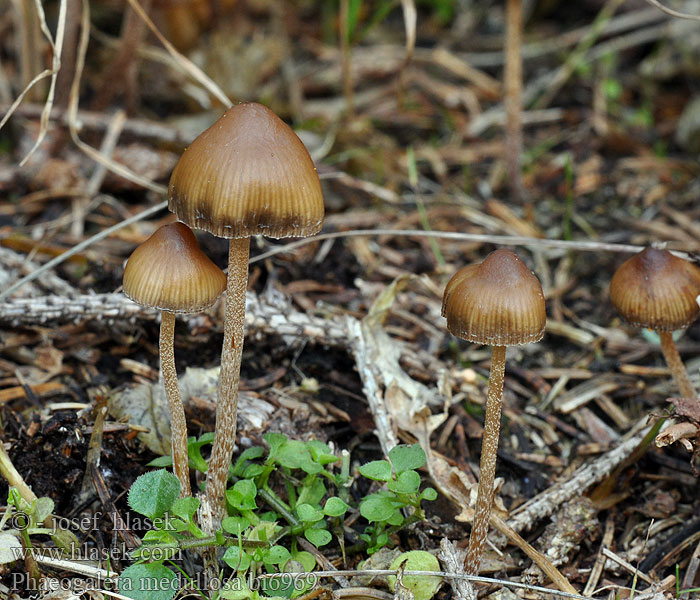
point(513, 87)
point(487, 467)
point(13, 478)
point(674, 362)
point(231, 354)
point(178, 425)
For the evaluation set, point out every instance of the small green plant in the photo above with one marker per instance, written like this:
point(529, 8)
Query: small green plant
point(24, 519)
point(289, 491)
point(384, 509)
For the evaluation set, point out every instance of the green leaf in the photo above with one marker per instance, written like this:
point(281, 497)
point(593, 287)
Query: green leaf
point(194, 451)
point(429, 494)
point(306, 559)
point(378, 470)
point(405, 457)
point(43, 507)
point(252, 471)
point(158, 536)
point(185, 508)
point(236, 589)
point(407, 482)
point(236, 558)
point(395, 519)
point(294, 454)
point(247, 455)
point(152, 494)
point(161, 461)
point(235, 525)
point(275, 441)
point(312, 493)
point(242, 495)
point(423, 587)
point(148, 581)
point(263, 531)
point(308, 514)
point(321, 453)
point(318, 537)
point(276, 555)
point(377, 507)
point(335, 507)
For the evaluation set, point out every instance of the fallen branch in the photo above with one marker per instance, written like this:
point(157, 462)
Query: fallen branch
point(268, 314)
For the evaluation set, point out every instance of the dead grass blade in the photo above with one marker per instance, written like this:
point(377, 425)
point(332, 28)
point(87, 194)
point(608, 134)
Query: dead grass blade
point(73, 100)
point(56, 49)
point(673, 13)
point(187, 65)
point(81, 246)
point(410, 17)
point(504, 240)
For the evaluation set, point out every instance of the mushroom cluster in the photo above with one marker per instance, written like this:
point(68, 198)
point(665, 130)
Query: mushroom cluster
point(248, 174)
point(170, 272)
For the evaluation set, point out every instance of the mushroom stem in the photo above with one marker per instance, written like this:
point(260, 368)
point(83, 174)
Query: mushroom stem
point(674, 362)
point(227, 402)
point(487, 467)
point(178, 425)
point(513, 84)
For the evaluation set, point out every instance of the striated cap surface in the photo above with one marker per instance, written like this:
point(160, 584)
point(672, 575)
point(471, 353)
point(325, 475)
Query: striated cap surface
point(498, 302)
point(170, 272)
point(248, 174)
point(657, 290)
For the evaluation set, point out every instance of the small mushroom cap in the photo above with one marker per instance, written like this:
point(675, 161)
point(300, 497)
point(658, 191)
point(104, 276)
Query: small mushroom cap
point(656, 289)
point(248, 174)
point(498, 302)
point(169, 272)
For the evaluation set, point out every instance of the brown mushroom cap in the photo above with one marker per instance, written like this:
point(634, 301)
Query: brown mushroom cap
point(248, 174)
point(169, 272)
point(657, 290)
point(498, 302)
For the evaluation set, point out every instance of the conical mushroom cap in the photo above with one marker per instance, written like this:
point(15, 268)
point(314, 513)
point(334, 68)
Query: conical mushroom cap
point(657, 290)
point(248, 174)
point(169, 272)
point(498, 302)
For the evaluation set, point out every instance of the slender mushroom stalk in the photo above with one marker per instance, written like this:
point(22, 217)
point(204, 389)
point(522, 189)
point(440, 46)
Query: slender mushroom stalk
point(248, 174)
point(229, 378)
point(178, 423)
point(657, 290)
point(487, 467)
point(169, 272)
point(498, 302)
point(675, 364)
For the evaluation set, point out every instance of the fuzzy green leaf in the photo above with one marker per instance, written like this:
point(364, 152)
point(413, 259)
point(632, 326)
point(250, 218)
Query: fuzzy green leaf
point(236, 558)
point(318, 537)
point(378, 470)
point(148, 581)
point(153, 493)
point(406, 482)
point(185, 508)
point(405, 457)
point(335, 507)
point(377, 507)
